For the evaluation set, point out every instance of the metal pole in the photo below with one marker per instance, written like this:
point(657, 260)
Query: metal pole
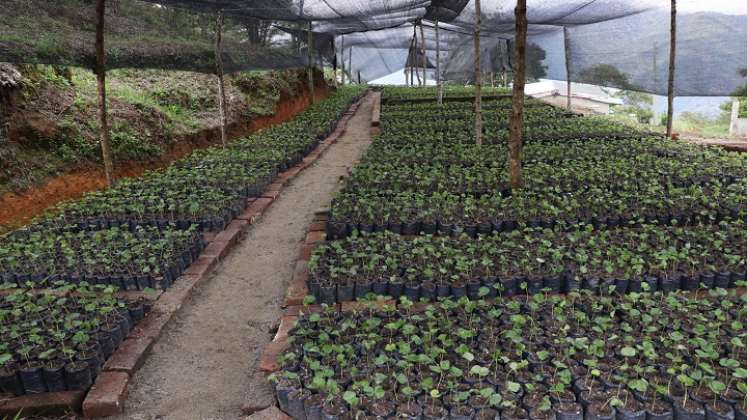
point(310, 71)
point(517, 107)
point(106, 150)
point(440, 93)
point(219, 72)
point(567, 42)
point(672, 56)
point(478, 77)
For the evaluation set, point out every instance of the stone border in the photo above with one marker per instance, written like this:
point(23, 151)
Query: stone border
point(108, 394)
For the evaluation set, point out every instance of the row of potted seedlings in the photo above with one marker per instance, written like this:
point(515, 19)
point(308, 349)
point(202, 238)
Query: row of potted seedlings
point(419, 177)
point(444, 213)
point(394, 93)
point(650, 257)
point(210, 187)
point(642, 356)
point(58, 339)
point(146, 257)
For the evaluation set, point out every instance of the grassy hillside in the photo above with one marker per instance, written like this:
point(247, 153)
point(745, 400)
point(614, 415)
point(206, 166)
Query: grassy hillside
point(49, 124)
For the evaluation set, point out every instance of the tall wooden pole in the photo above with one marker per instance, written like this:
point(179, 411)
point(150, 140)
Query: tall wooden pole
point(410, 60)
point(350, 65)
point(310, 70)
point(440, 85)
point(106, 149)
point(478, 76)
point(425, 59)
point(334, 63)
point(342, 56)
point(517, 108)
point(567, 42)
point(672, 56)
point(415, 50)
point(219, 72)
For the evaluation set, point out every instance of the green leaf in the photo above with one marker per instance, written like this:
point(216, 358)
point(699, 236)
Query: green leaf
point(351, 398)
point(628, 351)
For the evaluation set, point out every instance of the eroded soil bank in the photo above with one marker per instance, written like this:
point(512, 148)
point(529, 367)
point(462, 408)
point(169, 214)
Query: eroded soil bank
point(18, 209)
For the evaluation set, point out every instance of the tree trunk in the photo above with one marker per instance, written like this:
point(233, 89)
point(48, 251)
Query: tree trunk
point(106, 149)
point(310, 71)
point(219, 72)
point(567, 67)
point(672, 56)
point(440, 85)
point(478, 76)
point(517, 107)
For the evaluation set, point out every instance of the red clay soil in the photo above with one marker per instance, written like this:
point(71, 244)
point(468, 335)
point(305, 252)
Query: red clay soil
point(18, 209)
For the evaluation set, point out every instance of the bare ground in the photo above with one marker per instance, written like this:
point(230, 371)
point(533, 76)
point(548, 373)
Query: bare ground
point(205, 364)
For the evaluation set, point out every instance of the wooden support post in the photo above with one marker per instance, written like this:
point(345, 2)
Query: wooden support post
point(342, 57)
point(517, 106)
point(334, 62)
point(478, 76)
point(672, 56)
point(310, 71)
point(219, 72)
point(440, 88)
point(350, 65)
point(567, 42)
point(410, 60)
point(106, 149)
point(425, 59)
point(415, 54)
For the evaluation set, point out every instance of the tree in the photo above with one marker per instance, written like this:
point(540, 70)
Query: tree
point(742, 90)
point(605, 75)
point(257, 31)
point(535, 56)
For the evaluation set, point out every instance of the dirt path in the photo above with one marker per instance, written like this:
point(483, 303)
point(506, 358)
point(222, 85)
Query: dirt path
point(204, 366)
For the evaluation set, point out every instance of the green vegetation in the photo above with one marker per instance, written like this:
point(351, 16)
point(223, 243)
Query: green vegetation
point(53, 123)
point(594, 191)
point(58, 340)
point(543, 357)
